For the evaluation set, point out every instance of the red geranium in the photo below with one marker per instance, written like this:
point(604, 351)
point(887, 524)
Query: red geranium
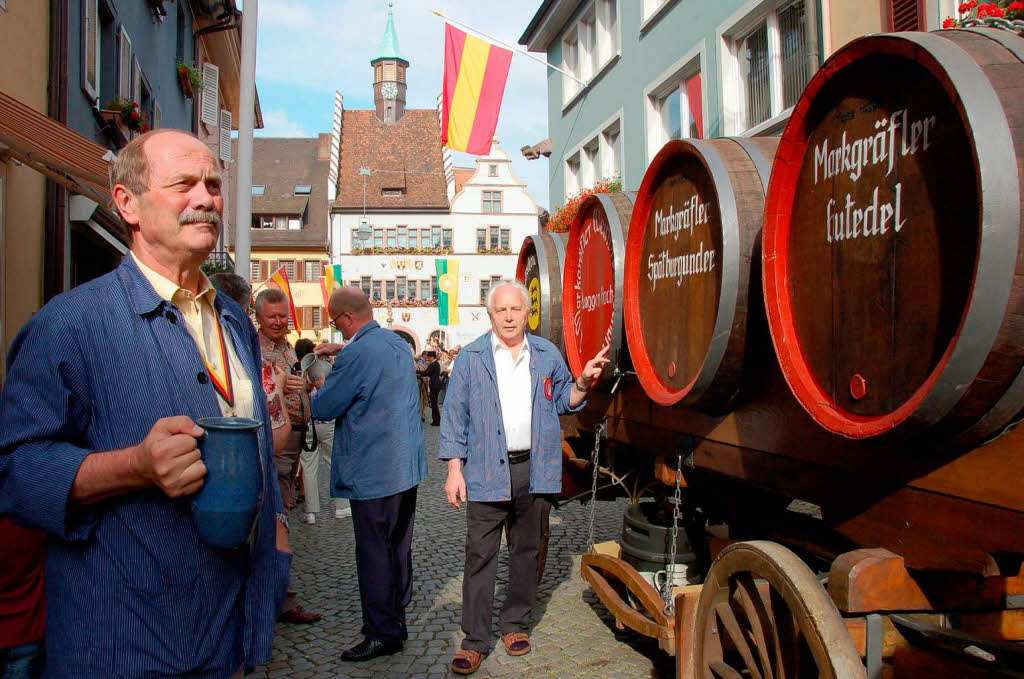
point(948, 23)
point(967, 6)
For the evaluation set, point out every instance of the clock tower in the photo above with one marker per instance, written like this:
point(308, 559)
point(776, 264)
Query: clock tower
point(389, 75)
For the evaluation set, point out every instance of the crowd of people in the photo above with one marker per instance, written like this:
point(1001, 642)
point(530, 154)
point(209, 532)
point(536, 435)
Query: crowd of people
point(101, 452)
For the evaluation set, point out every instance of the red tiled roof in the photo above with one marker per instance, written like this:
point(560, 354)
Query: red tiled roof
point(463, 175)
point(403, 155)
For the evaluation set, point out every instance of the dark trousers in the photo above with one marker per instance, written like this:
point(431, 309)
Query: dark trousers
point(383, 530)
point(435, 412)
point(484, 522)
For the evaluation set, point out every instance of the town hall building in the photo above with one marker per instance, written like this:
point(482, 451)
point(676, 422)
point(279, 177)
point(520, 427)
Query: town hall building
point(397, 206)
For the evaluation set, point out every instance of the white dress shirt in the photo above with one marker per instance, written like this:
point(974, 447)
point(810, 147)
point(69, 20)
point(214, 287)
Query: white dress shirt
point(515, 392)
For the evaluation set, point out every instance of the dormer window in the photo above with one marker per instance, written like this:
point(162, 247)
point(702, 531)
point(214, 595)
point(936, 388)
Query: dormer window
point(303, 189)
point(492, 170)
point(392, 192)
point(258, 189)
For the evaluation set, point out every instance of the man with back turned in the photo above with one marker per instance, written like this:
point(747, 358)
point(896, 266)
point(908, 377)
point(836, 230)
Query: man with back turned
point(378, 461)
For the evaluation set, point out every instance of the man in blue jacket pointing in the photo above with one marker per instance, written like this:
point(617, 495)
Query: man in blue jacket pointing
point(501, 437)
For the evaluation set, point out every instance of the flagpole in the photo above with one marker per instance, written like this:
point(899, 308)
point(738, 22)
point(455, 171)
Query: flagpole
point(509, 46)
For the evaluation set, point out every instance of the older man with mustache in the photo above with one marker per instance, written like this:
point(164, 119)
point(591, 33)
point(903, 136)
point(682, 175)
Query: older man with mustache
point(98, 442)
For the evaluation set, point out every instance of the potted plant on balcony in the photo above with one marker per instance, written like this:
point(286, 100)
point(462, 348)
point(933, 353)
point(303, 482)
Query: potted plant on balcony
point(126, 115)
point(190, 78)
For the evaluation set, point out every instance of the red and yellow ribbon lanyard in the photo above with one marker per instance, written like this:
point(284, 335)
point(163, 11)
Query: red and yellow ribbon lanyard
point(222, 383)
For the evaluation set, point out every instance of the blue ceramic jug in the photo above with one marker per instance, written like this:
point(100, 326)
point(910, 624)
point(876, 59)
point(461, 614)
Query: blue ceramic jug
point(226, 506)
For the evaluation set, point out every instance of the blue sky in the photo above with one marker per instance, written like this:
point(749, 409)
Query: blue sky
point(307, 50)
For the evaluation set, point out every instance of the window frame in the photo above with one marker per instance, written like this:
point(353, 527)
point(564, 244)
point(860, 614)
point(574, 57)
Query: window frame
point(732, 92)
point(690, 64)
point(594, 40)
point(487, 202)
point(581, 171)
point(91, 30)
point(259, 189)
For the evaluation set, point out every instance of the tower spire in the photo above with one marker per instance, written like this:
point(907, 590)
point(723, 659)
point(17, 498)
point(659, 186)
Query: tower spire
point(389, 45)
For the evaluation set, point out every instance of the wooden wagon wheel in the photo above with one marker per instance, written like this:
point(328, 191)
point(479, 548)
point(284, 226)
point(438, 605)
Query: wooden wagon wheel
point(763, 614)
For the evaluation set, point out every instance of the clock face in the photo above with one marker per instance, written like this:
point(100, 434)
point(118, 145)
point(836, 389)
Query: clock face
point(389, 90)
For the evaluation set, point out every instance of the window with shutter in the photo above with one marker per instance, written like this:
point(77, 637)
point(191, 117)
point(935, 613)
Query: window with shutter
point(211, 87)
point(264, 270)
point(91, 48)
point(225, 136)
point(307, 317)
point(906, 15)
point(254, 269)
point(124, 65)
point(317, 317)
point(300, 271)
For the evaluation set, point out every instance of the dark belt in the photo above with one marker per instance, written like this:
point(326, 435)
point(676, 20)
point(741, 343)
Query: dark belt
point(518, 456)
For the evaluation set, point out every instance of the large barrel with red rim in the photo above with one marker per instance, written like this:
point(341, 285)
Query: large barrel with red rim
point(592, 283)
point(892, 261)
point(691, 240)
point(540, 269)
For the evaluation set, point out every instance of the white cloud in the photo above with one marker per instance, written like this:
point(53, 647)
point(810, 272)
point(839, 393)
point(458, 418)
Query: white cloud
point(325, 45)
point(276, 123)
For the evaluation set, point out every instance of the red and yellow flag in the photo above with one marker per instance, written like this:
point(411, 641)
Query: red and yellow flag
point(279, 280)
point(475, 72)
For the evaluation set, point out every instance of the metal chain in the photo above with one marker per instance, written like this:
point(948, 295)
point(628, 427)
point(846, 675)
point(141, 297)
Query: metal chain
point(598, 433)
point(677, 502)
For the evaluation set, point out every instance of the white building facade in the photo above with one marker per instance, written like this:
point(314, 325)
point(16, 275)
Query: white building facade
point(395, 264)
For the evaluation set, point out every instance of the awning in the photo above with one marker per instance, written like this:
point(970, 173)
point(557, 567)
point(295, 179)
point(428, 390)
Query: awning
point(58, 152)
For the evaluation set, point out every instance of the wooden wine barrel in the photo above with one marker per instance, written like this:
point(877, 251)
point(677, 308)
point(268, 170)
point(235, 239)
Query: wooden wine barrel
point(540, 269)
point(691, 240)
point(892, 262)
point(592, 283)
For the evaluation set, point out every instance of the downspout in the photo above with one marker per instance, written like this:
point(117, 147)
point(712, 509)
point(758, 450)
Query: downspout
point(55, 226)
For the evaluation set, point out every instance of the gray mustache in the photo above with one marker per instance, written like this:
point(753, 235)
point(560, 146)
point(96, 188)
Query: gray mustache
point(198, 217)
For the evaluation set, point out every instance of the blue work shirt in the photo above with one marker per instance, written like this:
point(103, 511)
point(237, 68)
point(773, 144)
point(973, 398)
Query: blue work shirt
point(131, 591)
point(472, 427)
point(373, 395)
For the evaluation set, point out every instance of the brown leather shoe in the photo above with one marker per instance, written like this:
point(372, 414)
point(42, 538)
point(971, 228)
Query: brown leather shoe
point(466, 661)
point(299, 615)
point(516, 643)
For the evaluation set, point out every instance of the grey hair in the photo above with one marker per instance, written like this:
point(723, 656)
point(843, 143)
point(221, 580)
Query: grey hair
point(269, 295)
point(523, 292)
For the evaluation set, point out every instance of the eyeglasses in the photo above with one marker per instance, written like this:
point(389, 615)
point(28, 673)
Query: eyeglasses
point(334, 321)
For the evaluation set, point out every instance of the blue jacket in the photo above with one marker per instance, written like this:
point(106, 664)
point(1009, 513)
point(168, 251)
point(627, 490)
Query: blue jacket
point(472, 428)
point(130, 589)
point(378, 437)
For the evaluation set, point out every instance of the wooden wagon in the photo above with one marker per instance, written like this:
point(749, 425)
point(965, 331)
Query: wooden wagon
point(834, 317)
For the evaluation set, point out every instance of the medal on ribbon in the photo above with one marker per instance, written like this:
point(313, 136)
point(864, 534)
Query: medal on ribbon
point(222, 380)
point(549, 388)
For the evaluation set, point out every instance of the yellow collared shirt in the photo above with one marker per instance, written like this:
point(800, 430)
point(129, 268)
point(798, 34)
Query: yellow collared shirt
point(202, 323)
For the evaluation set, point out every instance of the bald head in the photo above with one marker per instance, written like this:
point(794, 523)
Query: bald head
point(351, 310)
point(352, 300)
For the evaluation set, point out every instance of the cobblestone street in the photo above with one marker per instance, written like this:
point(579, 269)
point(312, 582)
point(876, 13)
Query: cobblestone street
point(573, 636)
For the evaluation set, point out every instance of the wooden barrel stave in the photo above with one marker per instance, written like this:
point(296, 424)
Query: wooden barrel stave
point(959, 391)
point(679, 328)
point(610, 211)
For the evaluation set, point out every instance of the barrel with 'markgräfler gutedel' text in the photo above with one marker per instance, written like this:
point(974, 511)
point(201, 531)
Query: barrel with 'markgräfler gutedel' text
point(893, 272)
